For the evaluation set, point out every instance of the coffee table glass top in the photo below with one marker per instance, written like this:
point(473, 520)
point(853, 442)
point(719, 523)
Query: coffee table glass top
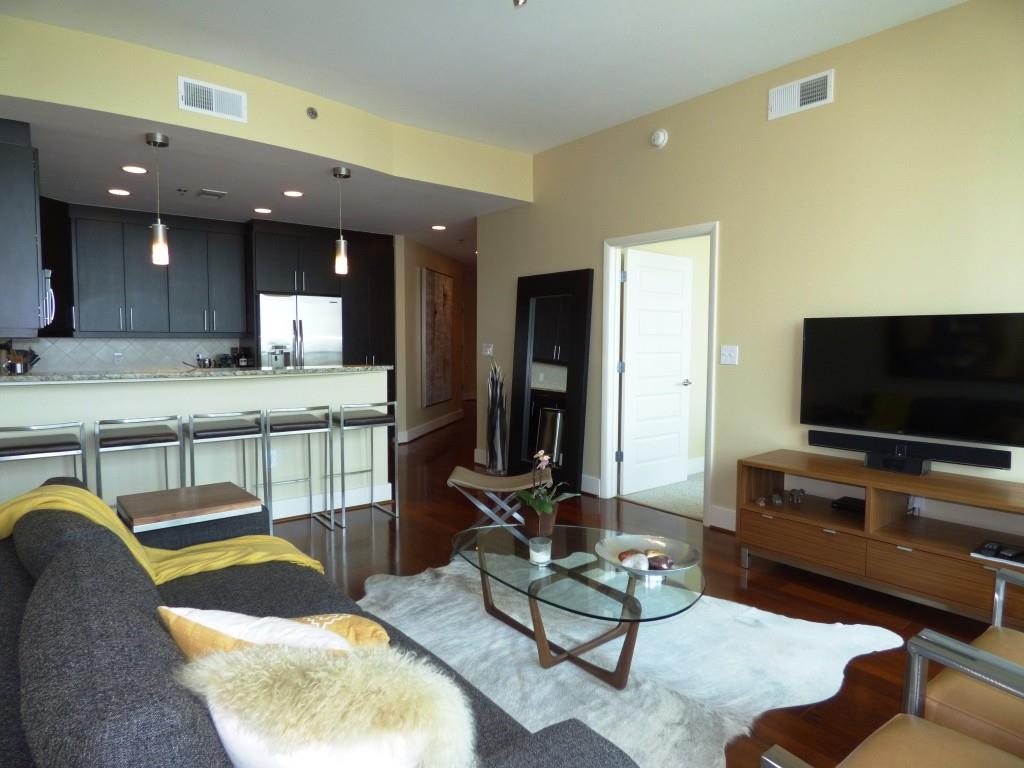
point(577, 580)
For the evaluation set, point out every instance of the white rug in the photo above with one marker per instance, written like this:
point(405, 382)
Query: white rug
point(698, 679)
point(685, 498)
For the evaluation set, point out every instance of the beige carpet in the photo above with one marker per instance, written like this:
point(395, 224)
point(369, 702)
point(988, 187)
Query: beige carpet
point(685, 499)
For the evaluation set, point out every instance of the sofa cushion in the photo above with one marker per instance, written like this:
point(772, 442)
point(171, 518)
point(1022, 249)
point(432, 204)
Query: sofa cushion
point(97, 668)
point(15, 588)
point(40, 535)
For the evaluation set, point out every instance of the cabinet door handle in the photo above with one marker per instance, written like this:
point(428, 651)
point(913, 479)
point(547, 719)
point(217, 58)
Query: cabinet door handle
point(767, 517)
point(295, 279)
point(829, 531)
point(74, 318)
point(120, 318)
point(303, 279)
point(131, 318)
point(215, 319)
point(901, 548)
point(206, 324)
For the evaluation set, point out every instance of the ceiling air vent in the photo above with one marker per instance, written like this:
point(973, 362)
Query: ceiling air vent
point(810, 92)
point(209, 99)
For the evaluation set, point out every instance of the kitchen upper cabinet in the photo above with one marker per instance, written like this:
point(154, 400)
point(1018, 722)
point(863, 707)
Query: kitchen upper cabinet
point(20, 261)
point(276, 258)
point(145, 284)
point(99, 276)
point(368, 300)
point(225, 259)
point(549, 329)
point(316, 266)
point(188, 284)
point(119, 291)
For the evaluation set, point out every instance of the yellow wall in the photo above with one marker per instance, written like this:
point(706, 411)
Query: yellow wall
point(904, 196)
point(698, 250)
point(413, 418)
point(52, 64)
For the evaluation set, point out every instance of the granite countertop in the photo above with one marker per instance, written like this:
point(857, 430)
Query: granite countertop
point(99, 377)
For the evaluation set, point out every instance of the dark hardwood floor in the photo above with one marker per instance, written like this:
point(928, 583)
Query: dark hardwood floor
point(820, 733)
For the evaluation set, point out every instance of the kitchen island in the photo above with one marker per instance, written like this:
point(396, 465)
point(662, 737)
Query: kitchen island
point(90, 396)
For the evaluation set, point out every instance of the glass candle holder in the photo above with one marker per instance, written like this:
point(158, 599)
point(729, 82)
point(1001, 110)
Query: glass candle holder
point(540, 550)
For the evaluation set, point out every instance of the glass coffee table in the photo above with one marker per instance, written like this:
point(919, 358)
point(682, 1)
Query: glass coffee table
point(579, 581)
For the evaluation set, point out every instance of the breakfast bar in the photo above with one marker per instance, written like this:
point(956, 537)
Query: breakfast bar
point(88, 397)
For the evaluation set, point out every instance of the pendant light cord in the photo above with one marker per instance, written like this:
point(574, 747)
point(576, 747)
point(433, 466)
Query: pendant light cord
point(341, 233)
point(156, 156)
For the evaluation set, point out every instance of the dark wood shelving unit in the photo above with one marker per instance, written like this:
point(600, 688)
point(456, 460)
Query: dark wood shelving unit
point(919, 558)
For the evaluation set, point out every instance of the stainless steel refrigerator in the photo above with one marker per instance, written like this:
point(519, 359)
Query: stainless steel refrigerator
point(308, 328)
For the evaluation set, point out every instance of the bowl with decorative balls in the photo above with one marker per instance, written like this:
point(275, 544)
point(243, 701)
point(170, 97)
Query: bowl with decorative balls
point(647, 556)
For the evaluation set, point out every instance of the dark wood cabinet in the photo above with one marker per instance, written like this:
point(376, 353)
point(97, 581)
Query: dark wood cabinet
point(187, 283)
point(119, 291)
point(368, 300)
point(20, 261)
point(99, 276)
point(225, 260)
point(145, 284)
point(316, 265)
point(548, 321)
point(276, 258)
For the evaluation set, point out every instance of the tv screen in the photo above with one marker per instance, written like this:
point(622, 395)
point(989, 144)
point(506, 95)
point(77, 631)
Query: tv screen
point(955, 377)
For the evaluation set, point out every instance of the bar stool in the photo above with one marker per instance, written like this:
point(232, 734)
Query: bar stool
point(139, 434)
point(29, 442)
point(230, 427)
point(349, 417)
point(291, 422)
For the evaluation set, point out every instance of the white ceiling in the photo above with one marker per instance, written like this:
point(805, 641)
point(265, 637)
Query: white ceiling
point(81, 153)
point(526, 78)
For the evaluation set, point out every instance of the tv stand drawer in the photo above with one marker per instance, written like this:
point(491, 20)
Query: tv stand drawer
point(946, 578)
point(812, 543)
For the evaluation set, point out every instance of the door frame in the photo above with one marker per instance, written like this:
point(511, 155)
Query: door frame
point(611, 341)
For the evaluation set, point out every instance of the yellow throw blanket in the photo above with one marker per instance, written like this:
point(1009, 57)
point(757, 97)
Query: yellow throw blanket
point(162, 565)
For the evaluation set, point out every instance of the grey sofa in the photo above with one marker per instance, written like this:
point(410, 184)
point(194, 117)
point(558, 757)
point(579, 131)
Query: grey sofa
point(87, 669)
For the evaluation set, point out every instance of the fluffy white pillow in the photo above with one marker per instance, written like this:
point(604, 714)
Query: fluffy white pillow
point(280, 707)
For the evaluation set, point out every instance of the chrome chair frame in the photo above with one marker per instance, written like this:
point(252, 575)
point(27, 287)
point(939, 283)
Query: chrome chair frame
point(79, 425)
point(328, 476)
point(180, 443)
point(259, 452)
point(391, 410)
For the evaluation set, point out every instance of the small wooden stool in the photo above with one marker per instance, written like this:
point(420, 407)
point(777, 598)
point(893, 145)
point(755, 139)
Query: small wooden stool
point(500, 489)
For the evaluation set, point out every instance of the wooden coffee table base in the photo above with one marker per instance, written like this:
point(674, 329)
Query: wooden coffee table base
point(549, 654)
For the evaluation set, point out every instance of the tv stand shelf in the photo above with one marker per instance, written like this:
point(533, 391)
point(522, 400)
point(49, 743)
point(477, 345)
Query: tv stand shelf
point(883, 548)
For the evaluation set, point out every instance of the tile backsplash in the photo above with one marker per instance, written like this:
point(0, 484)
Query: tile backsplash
point(95, 355)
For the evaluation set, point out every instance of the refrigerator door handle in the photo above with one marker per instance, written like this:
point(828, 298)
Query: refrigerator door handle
point(302, 347)
point(295, 343)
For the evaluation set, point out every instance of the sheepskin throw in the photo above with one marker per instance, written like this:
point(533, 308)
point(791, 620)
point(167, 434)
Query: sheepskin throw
point(280, 707)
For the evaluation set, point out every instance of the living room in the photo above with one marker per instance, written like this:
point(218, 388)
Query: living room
point(899, 195)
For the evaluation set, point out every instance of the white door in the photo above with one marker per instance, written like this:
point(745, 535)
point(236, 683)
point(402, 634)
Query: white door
point(657, 316)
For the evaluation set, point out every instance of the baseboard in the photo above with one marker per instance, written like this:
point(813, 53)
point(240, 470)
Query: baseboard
point(721, 517)
point(695, 466)
point(430, 426)
point(591, 485)
point(299, 506)
point(480, 456)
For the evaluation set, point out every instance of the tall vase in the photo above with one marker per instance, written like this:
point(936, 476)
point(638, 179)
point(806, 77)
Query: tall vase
point(497, 422)
point(539, 525)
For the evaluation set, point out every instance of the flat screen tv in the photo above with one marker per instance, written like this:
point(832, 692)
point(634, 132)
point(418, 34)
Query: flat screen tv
point(954, 377)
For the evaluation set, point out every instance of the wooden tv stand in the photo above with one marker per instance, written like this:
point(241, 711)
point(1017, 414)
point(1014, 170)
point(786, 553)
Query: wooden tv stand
point(918, 558)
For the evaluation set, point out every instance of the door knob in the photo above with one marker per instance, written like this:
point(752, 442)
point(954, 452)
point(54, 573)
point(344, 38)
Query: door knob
point(685, 383)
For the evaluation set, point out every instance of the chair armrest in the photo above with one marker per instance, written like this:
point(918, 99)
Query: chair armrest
point(977, 664)
point(1004, 576)
point(777, 757)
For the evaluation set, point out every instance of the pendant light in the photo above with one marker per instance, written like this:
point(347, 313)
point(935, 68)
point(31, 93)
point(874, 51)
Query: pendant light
point(340, 246)
point(161, 255)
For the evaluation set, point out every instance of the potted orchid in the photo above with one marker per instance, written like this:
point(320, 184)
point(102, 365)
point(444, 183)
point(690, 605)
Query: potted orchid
point(543, 498)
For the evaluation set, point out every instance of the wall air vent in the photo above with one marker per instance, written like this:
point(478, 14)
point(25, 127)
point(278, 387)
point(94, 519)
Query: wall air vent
point(209, 99)
point(810, 92)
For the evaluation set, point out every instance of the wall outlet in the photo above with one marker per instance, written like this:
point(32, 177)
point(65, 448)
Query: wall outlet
point(487, 350)
point(117, 358)
point(730, 355)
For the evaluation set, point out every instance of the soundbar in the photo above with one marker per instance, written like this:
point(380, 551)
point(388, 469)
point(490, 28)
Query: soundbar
point(908, 456)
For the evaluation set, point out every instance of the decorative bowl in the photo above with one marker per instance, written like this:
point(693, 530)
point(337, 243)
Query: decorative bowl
point(682, 553)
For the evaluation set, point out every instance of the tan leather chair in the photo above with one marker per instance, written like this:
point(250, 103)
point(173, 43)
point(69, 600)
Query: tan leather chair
point(910, 741)
point(985, 713)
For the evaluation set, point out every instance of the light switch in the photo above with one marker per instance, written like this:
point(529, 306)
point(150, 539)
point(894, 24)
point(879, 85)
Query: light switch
point(487, 350)
point(730, 355)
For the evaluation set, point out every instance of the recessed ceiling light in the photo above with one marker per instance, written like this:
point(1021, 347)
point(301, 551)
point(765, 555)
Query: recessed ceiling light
point(133, 169)
point(439, 227)
point(292, 193)
point(261, 210)
point(119, 192)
